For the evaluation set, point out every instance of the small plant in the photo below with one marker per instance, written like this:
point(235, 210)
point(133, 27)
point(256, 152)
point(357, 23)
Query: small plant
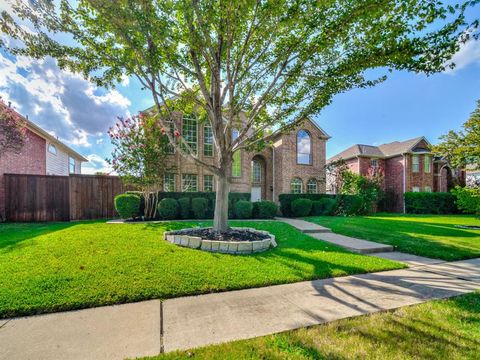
point(128, 205)
point(185, 204)
point(264, 209)
point(301, 207)
point(243, 209)
point(324, 207)
point(199, 207)
point(168, 209)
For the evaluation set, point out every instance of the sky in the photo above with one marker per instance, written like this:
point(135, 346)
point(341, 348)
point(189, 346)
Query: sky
point(405, 106)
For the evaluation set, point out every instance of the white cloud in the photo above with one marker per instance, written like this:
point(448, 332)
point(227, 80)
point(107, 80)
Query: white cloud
point(61, 102)
point(468, 54)
point(96, 164)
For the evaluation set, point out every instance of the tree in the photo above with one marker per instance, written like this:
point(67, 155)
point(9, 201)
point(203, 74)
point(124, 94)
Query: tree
point(462, 148)
point(12, 130)
point(140, 156)
point(258, 63)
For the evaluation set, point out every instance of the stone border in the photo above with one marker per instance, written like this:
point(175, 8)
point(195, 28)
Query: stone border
point(225, 247)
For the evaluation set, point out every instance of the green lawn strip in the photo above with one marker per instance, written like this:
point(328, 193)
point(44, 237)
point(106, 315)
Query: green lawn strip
point(434, 236)
point(442, 329)
point(63, 266)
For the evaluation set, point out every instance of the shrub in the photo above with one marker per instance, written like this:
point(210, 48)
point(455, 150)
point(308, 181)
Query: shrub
point(468, 199)
point(301, 207)
point(199, 207)
point(243, 209)
point(287, 199)
point(325, 206)
point(168, 209)
point(430, 203)
point(127, 205)
point(185, 205)
point(264, 209)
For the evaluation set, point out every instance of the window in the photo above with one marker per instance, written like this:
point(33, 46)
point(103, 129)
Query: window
point(312, 186)
point(189, 132)
point(415, 163)
point(169, 182)
point(52, 149)
point(207, 140)
point(189, 183)
point(374, 163)
point(428, 189)
point(296, 186)
point(427, 164)
point(71, 165)
point(237, 158)
point(304, 150)
point(256, 172)
point(208, 183)
point(415, 189)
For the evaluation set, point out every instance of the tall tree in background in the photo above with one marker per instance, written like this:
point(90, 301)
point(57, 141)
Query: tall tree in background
point(12, 130)
point(277, 61)
point(462, 148)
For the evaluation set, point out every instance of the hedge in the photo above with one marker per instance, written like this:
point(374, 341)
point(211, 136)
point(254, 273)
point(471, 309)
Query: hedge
point(301, 207)
point(128, 205)
point(323, 207)
point(199, 207)
point(264, 209)
point(286, 201)
point(430, 203)
point(185, 205)
point(168, 209)
point(243, 209)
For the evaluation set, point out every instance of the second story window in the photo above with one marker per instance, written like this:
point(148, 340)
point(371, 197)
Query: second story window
point(189, 132)
point(52, 149)
point(304, 148)
point(374, 163)
point(427, 164)
point(415, 163)
point(207, 140)
point(71, 165)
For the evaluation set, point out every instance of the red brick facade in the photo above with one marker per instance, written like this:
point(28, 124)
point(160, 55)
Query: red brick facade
point(30, 160)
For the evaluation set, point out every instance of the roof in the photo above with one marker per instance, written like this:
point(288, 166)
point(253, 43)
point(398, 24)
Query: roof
point(383, 151)
point(282, 130)
point(42, 133)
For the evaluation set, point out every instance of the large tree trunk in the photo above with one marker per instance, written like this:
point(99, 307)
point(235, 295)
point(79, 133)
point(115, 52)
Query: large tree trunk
point(220, 219)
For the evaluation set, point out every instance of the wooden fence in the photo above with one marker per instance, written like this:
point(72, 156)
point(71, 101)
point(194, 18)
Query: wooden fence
point(60, 198)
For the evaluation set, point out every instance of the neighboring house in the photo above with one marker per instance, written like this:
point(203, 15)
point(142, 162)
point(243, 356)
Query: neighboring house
point(473, 175)
point(42, 154)
point(406, 166)
point(295, 162)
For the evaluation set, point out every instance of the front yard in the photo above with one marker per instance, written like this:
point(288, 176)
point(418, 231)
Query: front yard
point(63, 266)
point(443, 329)
point(425, 235)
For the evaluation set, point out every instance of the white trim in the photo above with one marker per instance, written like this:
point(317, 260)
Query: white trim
point(404, 182)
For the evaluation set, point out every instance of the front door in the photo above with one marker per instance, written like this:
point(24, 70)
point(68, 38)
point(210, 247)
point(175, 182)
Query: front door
point(256, 193)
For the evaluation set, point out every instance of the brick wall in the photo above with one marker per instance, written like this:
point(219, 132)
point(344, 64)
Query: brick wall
point(30, 160)
point(394, 183)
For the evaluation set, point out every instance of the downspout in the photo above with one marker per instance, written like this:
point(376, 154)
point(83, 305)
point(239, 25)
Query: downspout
point(273, 174)
point(404, 181)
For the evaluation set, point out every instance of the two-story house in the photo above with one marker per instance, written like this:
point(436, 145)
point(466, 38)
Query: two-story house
point(405, 165)
point(295, 163)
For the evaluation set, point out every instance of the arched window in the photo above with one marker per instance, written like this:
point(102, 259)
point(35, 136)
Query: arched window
point(237, 159)
point(296, 186)
point(304, 148)
point(52, 149)
point(256, 172)
point(312, 186)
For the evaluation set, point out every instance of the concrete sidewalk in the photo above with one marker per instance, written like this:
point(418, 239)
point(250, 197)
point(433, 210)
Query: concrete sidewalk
point(146, 328)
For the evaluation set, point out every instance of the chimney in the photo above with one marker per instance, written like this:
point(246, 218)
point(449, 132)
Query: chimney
point(9, 104)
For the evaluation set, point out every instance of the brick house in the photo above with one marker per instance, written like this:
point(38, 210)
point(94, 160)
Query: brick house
point(405, 165)
point(295, 162)
point(42, 154)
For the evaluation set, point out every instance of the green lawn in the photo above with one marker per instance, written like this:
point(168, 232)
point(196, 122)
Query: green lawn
point(443, 329)
point(426, 235)
point(62, 266)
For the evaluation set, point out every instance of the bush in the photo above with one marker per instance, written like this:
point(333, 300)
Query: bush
point(185, 205)
point(323, 207)
point(168, 209)
point(301, 207)
point(127, 205)
point(287, 199)
point(430, 203)
point(199, 207)
point(468, 199)
point(243, 209)
point(264, 209)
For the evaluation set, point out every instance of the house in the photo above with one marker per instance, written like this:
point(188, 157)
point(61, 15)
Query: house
point(405, 165)
point(42, 154)
point(294, 163)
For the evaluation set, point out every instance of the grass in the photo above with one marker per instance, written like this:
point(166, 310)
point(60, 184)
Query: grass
point(432, 236)
point(443, 329)
point(64, 266)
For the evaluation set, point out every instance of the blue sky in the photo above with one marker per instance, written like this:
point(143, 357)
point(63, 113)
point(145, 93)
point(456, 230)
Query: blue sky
point(407, 105)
